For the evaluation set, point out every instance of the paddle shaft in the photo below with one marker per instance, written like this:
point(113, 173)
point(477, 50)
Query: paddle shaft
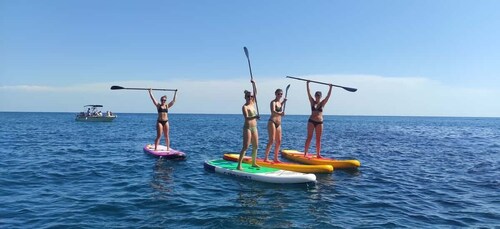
point(136, 88)
point(251, 77)
point(345, 88)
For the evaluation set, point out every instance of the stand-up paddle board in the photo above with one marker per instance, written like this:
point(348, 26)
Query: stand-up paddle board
point(311, 159)
point(263, 174)
point(282, 165)
point(161, 151)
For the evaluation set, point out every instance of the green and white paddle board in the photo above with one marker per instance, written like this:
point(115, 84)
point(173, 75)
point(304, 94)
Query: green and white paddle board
point(263, 174)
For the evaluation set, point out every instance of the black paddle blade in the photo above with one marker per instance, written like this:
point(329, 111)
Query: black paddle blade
point(286, 92)
point(350, 89)
point(116, 87)
point(246, 51)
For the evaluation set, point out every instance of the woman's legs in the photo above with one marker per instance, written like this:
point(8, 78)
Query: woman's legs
point(166, 130)
point(310, 128)
point(271, 130)
point(319, 132)
point(246, 143)
point(159, 130)
point(278, 144)
point(255, 146)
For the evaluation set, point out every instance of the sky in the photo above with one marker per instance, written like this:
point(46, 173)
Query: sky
point(406, 58)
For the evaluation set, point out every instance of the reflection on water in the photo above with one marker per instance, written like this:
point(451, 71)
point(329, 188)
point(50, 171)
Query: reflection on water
point(162, 177)
point(271, 205)
point(416, 173)
point(352, 172)
point(252, 213)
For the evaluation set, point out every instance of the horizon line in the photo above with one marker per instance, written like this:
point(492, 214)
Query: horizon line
point(352, 115)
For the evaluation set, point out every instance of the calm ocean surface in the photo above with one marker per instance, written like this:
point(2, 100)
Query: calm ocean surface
point(416, 172)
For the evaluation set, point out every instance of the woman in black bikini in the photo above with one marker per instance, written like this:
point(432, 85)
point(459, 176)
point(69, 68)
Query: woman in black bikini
point(315, 122)
point(274, 125)
point(162, 125)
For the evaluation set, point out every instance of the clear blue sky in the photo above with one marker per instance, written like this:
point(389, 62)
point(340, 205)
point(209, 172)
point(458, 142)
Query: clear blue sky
point(63, 45)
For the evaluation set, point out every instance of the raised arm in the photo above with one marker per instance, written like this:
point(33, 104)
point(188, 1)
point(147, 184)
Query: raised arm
point(254, 88)
point(311, 99)
point(327, 96)
point(152, 97)
point(173, 100)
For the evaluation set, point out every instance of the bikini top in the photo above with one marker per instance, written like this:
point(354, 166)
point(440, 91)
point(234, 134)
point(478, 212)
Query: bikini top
point(251, 113)
point(278, 109)
point(314, 108)
point(160, 110)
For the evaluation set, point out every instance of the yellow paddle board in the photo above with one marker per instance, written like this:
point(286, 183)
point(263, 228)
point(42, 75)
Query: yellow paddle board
point(311, 159)
point(282, 165)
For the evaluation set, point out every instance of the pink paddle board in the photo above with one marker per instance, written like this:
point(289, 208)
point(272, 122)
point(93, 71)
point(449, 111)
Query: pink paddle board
point(161, 151)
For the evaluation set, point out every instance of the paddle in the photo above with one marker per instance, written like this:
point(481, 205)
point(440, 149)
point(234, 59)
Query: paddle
point(286, 93)
point(135, 88)
point(251, 77)
point(345, 88)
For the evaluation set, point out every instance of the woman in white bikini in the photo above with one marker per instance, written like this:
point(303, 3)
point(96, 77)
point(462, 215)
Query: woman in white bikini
point(250, 133)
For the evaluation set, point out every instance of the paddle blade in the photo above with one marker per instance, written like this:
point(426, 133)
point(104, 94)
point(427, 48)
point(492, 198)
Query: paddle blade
point(246, 51)
point(286, 90)
point(350, 89)
point(117, 88)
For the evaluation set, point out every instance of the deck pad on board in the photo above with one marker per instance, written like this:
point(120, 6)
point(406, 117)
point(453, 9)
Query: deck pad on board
point(161, 151)
point(282, 165)
point(246, 167)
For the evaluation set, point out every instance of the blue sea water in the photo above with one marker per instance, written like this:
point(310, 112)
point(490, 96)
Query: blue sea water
point(416, 172)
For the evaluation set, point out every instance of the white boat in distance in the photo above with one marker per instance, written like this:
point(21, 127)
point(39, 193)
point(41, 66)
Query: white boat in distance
point(94, 114)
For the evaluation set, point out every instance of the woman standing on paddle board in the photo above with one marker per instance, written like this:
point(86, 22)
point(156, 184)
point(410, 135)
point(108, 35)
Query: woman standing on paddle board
point(274, 125)
point(250, 133)
point(315, 122)
point(162, 125)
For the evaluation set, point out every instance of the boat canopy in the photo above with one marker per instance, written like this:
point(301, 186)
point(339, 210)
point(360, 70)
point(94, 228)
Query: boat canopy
point(93, 106)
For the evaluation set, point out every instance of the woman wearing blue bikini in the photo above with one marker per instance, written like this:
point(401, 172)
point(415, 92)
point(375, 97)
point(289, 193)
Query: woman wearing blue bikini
point(274, 125)
point(162, 121)
point(315, 122)
point(250, 133)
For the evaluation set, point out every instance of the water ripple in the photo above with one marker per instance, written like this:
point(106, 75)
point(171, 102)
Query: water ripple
point(416, 173)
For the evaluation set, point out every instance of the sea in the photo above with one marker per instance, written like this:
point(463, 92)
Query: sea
point(416, 172)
